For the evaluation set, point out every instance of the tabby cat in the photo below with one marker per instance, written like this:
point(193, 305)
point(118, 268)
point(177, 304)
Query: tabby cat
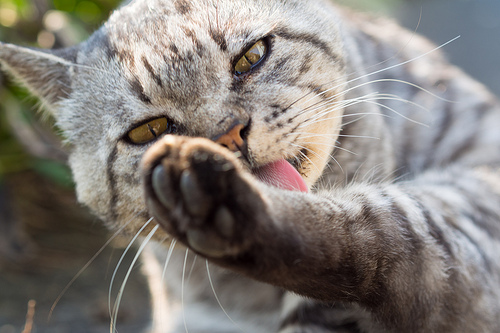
point(335, 171)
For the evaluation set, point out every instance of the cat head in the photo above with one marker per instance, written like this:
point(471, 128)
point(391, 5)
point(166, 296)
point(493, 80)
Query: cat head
point(192, 68)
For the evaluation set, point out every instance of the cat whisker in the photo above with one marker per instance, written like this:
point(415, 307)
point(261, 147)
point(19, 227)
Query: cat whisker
point(116, 307)
point(308, 123)
point(305, 155)
point(191, 269)
point(375, 72)
point(169, 256)
point(318, 118)
point(398, 113)
point(392, 176)
point(182, 290)
point(332, 101)
point(91, 260)
point(340, 105)
point(359, 136)
point(120, 261)
point(346, 150)
point(217, 298)
point(307, 135)
point(329, 146)
point(414, 33)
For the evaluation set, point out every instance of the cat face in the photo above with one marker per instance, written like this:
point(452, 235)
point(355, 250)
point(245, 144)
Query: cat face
point(187, 64)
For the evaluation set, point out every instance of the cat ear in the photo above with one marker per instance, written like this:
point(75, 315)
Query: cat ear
point(46, 73)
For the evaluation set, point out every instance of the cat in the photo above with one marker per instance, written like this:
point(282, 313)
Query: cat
point(313, 169)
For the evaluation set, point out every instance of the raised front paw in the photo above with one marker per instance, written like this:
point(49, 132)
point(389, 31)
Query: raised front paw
point(197, 192)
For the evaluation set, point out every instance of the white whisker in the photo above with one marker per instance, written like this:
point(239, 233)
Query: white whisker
point(380, 70)
point(77, 275)
point(182, 290)
point(398, 113)
point(346, 150)
point(305, 156)
point(120, 261)
point(116, 307)
point(217, 298)
point(191, 269)
point(169, 255)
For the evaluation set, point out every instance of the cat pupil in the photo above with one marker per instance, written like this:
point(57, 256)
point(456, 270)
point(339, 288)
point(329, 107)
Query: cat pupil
point(152, 131)
point(252, 58)
point(149, 131)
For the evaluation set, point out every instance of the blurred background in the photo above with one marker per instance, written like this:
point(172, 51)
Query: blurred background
point(46, 237)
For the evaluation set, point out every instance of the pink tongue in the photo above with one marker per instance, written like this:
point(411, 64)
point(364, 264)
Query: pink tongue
point(282, 175)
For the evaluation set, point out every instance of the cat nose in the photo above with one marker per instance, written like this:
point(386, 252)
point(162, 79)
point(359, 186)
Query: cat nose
point(232, 139)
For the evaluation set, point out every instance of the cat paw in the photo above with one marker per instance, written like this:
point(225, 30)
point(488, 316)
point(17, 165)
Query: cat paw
point(199, 193)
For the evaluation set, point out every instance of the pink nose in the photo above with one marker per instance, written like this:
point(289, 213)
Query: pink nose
point(232, 140)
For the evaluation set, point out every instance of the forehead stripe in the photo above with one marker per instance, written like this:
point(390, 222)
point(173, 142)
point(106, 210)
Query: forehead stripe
point(137, 87)
point(310, 39)
point(151, 71)
point(219, 38)
point(111, 177)
point(182, 7)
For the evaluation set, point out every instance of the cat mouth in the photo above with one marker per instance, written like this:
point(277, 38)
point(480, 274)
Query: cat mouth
point(281, 174)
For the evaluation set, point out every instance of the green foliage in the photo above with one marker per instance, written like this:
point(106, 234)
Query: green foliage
point(40, 23)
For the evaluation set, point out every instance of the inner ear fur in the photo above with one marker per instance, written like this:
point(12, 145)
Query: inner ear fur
point(46, 73)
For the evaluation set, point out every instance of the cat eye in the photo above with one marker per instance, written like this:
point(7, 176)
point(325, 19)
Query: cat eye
point(251, 58)
point(148, 131)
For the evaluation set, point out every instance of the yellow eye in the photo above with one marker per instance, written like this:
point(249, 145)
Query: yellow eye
point(252, 58)
point(149, 131)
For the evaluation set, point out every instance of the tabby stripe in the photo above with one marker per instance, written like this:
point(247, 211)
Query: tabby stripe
point(106, 45)
point(191, 34)
point(437, 233)
point(464, 147)
point(310, 39)
point(111, 177)
point(410, 234)
point(139, 90)
point(454, 225)
point(484, 214)
point(174, 49)
point(469, 143)
point(306, 64)
point(182, 7)
point(151, 71)
point(318, 90)
point(447, 120)
point(218, 37)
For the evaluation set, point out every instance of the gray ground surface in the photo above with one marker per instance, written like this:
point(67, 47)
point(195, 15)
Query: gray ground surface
point(52, 240)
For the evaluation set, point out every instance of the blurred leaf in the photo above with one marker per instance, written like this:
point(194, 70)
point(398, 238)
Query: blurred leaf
point(56, 172)
point(89, 12)
point(24, 28)
point(65, 5)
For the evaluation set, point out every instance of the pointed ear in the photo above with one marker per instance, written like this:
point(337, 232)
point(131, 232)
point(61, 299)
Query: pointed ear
point(47, 74)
